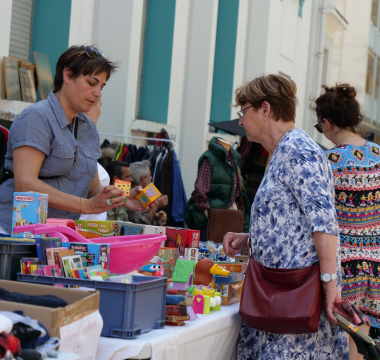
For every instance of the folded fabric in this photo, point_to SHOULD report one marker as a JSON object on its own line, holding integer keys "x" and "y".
{"x": 5, "y": 324}
{"x": 41, "y": 300}
{"x": 24, "y": 332}
{"x": 48, "y": 348}
{"x": 16, "y": 318}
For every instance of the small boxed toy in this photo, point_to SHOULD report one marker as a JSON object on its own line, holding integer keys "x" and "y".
{"x": 229, "y": 279}
{"x": 125, "y": 186}
{"x": 149, "y": 194}
{"x": 125, "y": 228}
{"x": 193, "y": 237}
{"x": 90, "y": 229}
{"x": 191, "y": 254}
{"x": 29, "y": 208}
{"x": 231, "y": 293}
{"x": 97, "y": 254}
{"x": 168, "y": 255}
{"x": 233, "y": 267}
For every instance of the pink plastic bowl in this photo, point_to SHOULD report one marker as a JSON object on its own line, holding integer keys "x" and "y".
{"x": 128, "y": 253}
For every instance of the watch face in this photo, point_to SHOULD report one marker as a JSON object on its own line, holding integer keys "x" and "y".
{"x": 326, "y": 277}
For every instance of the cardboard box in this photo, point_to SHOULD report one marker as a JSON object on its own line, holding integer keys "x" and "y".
{"x": 232, "y": 278}
{"x": 29, "y": 208}
{"x": 91, "y": 229}
{"x": 191, "y": 254}
{"x": 81, "y": 303}
{"x": 149, "y": 194}
{"x": 193, "y": 237}
{"x": 182, "y": 238}
{"x": 126, "y": 228}
{"x": 97, "y": 254}
{"x": 168, "y": 255}
{"x": 230, "y": 293}
{"x": 241, "y": 258}
{"x": 233, "y": 267}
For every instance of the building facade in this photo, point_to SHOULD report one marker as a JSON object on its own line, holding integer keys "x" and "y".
{"x": 180, "y": 60}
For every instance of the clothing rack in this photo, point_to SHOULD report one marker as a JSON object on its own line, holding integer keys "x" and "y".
{"x": 141, "y": 138}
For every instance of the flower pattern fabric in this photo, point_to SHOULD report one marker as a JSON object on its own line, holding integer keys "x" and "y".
{"x": 295, "y": 198}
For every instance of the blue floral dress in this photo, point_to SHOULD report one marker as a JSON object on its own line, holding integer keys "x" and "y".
{"x": 295, "y": 198}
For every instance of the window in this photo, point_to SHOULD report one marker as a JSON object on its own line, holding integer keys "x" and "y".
{"x": 377, "y": 79}
{"x": 369, "y": 81}
{"x": 21, "y": 28}
{"x": 374, "y": 12}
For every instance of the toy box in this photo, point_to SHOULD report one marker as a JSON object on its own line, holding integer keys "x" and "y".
{"x": 233, "y": 267}
{"x": 191, "y": 254}
{"x": 149, "y": 194}
{"x": 193, "y": 237}
{"x": 125, "y": 186}
{"x": 232, "y": 278}
{"x": 97, "y": 254}
{"x": 168, "y": 255}
{"x": 182, "y": 238}
{"x": 29, "y": 208}
{"x": 90, "y": 229}
{"x": 125, "y": 228}
{"x": 230, "y": 293}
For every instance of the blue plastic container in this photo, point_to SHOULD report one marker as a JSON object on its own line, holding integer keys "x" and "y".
{"x": 127, "y": 309}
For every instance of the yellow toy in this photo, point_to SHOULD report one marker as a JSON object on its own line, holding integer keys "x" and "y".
{"x": 125, "y": 186}
{"x": 148, "y": 195}
{"x": 218, "y": 270}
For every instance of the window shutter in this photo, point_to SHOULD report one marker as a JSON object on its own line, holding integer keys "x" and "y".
{"x": 21, "y": 28}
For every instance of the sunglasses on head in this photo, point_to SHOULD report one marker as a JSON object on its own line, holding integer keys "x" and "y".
{"x": 319, "y": 127}
{"x": 90, "y": 52}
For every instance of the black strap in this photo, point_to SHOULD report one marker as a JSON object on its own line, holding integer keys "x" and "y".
{"x": 76, "y": 128}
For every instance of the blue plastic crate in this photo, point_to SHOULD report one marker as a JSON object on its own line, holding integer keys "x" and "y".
{"x": 127, "y": 309}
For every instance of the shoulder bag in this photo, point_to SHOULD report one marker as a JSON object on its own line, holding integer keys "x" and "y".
{"x": 281, "y": 301}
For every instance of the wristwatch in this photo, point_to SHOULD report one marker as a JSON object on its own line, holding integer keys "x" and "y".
{"x": 328, "y": 277}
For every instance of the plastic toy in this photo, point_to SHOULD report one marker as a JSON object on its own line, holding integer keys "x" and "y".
{"x": 218, "y": 299}
{"x": 148, "y": 195}
{"x": 128, "y": 252}
{"x": 125, "y": 186}
{"x": 183, "y": 274}
{"x": 217, "y": 270}
{"x": 152, "y": 270}
{"x": 203, "y": 304}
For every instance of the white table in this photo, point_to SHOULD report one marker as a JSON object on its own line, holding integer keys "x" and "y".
{"x": 210, "y": 337}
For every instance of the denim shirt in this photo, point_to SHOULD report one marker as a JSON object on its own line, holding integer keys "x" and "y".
{"x": 69, "y": 166}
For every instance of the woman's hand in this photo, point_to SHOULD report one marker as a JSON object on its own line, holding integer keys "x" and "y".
{"x": 233, "y": 242}
{"x": 99, "y": 203}
{"x": 331, "y": 296}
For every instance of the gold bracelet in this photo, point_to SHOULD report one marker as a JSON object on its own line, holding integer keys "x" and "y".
{"x": 80, "y": 205}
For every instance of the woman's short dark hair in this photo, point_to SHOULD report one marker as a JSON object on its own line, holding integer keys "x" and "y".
{"x": 339, "y": 106}
{"x": 278, "y": 90}
{"x": 115, "y": 168}
{"x": 81, "y": 64}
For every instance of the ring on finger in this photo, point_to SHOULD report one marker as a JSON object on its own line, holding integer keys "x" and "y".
{"x": 108, "y": 202}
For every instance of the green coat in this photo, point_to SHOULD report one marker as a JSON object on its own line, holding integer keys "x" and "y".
{"x": 222, "y": 181}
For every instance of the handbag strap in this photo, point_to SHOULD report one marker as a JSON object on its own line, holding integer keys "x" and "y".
{"x": 241, "y": 200}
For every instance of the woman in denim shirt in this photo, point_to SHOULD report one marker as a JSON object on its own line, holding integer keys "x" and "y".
{"x": 53, "y": 146}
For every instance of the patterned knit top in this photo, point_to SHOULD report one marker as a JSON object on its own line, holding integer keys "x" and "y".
{"x": 356, "y": 172}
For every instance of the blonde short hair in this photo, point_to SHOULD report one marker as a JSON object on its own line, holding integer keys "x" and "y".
{"x": 278, "y": 90}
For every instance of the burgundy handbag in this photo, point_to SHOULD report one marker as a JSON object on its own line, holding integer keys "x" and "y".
{"x": 282, "y": 301}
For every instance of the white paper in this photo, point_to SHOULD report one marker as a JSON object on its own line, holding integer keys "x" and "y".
{"x": 81, "y": 337}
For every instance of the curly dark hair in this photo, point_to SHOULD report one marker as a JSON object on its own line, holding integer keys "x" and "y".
{"x": 339, "y": 105}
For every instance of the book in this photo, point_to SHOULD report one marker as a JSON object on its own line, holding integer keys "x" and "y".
{"x": 62, "y": 254}
{"x": 52, "y": 270}
{"x": 69, "y": 263}
{"x": 177, "y": 310}
{"x": 50, "y": 254}
{"x": 44, "y": 243}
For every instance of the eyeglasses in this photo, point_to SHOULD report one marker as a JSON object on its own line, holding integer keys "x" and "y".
{"x": 90, "y": 52}
{"x": 319, "y": 127}
{"x": 241, "y": 112}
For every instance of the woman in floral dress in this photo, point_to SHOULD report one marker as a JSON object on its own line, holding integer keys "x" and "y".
{"x": 293, "y": 220}
{"x": 356, "y": 167}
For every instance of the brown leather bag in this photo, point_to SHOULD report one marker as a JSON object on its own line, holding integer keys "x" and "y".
{"x": 222, "y": 221}
{"x": 281, "y": 301}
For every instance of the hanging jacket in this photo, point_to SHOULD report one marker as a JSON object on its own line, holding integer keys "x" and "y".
{"x": 222, "y": 181}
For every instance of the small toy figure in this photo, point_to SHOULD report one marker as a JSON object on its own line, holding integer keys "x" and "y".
{"x": 148, "y": 195}
{"x": 222, "y": 255}
{"x": 152, "y": 270}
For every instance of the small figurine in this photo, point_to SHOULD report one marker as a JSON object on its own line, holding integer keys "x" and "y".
{"x": 222, "y": 255}
{"x": 152, "y": 270}
{"x": 148, "y": 195}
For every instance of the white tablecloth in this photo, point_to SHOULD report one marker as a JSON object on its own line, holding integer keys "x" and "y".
{"x": 210, "y": 337}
